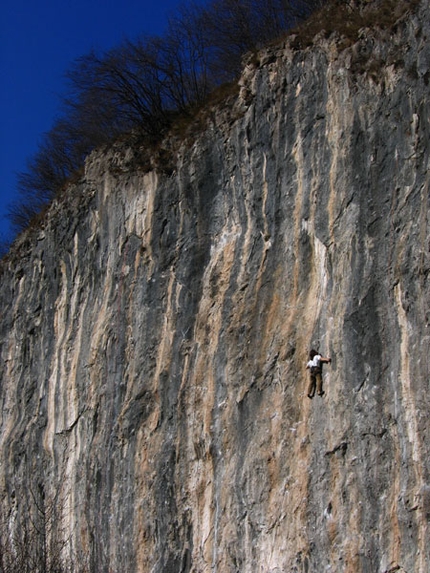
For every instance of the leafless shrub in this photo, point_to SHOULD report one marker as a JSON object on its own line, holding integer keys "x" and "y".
{"x": 142, "y": 86}
{"x": 32, "y": 538}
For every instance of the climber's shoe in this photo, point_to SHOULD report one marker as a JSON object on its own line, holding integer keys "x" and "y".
{"x": 321, "y": 393}
{"x": 309, "y": 396}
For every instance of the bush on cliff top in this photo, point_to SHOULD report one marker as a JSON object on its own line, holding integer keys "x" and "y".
{"x": 144, "y": 87}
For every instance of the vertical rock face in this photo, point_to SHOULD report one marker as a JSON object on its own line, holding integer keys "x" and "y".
{"x": 154, "y": 334}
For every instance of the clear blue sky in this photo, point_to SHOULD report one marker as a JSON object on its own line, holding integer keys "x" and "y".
{"x": 39, "y": 39}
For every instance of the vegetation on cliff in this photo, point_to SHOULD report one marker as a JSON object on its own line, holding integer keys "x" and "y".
{"x": 142, "y": 86}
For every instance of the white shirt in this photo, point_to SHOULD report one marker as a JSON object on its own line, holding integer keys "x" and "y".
{"x": 316, "y": 362}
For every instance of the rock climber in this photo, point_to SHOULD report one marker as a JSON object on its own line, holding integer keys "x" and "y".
{"x": 315, "y": 366}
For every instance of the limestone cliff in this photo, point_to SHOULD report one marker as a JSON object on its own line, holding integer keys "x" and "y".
{"x": 155, "y": 333}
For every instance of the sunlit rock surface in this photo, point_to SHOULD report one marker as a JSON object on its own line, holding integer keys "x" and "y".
{"x": 154, "y": 333}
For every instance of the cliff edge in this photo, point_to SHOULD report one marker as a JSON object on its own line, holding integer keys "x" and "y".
{"x": 154, "y": 333}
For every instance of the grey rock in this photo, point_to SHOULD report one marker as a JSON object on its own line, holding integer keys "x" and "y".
{"x": 155, "y": 333}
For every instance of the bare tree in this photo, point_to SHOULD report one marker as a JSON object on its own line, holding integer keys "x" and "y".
{"x": 46, "y": 174}
{"x": 142, "y": 86}
{"x": 123, "y": 87}
{"x": 32, "y": 540}
{"x": 234, "y": 27}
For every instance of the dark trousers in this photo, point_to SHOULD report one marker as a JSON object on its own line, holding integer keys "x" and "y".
{"x": 315, "y": 381}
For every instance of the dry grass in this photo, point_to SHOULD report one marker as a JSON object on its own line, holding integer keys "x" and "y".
{"x": 347, "y": 19}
